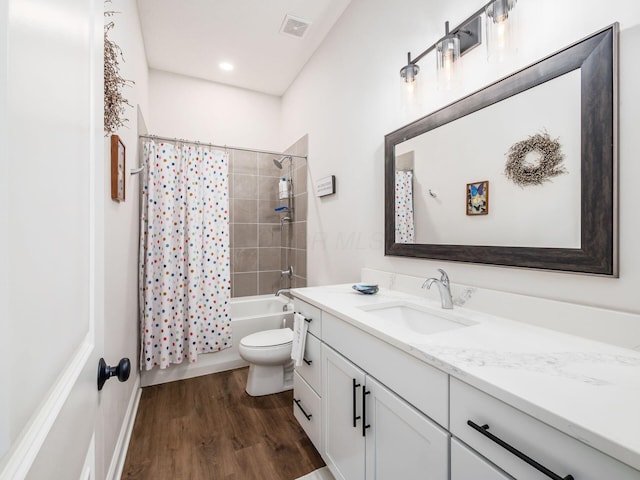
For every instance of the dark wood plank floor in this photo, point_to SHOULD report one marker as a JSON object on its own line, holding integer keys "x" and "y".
{"x": 209, "y": 428}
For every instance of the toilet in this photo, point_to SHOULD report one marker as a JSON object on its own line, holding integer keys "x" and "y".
{"x": 270, "y": 365}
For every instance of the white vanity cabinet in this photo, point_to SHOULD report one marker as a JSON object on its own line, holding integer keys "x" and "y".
{"x": 466, "y": 465}
{"x": 307, "y": 385}
{"x": 491, "y": 427}
{"x": 371, "y": 433}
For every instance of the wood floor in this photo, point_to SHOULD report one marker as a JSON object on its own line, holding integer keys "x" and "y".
{"x": 209, "y": 428}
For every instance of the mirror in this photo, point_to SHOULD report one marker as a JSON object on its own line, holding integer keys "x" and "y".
{"x": 458, "y": 182}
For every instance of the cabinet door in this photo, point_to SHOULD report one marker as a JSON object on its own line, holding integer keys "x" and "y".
{"x": 401, "y": 442}
{"x": 466, "y": 464}
{"x": 344, "y": 444}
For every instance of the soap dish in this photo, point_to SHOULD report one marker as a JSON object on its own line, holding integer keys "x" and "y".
{"x": 365, "y": 288}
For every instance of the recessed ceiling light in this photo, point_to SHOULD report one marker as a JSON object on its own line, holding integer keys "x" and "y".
{"x": 226, "y": 66}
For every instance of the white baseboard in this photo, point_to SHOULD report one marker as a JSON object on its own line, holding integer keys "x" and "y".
{"x": 122, "y": 445}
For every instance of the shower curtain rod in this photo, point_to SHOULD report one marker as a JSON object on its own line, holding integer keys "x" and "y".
{"x": 193, "y": 142}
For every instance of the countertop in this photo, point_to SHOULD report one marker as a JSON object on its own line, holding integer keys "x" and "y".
{"x": 586, "y": 389}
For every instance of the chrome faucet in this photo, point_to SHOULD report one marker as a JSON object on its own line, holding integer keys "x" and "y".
{"x": 288, "y": 272}
{"x": 443, "y": 287}
{"x": 282, "y": 290}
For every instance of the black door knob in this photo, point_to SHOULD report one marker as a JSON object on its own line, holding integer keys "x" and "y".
{"x": 105, "y": 372}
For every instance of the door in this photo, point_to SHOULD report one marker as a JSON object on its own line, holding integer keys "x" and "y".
{"x": 51, "y": 236}
{"x": 344, "y": 443}
{"x": 402, "y": 442}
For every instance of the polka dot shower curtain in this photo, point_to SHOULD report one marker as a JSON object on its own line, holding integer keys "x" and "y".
{"x": 185, "y": 285}
{"x": 404, "y": 207}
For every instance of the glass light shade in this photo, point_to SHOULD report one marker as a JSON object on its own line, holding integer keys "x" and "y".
{"x": 409, "y": 73}
{"x": 501, "y": 28}
{"x": 447, "y": 56}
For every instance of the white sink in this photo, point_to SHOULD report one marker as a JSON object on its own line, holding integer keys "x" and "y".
{"x": 417, "y": 318}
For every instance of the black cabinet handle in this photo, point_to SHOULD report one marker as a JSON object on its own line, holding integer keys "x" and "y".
{"x": 355, "y": 385}
{"x": 307, "y": 415}
{"x": 484, "y": 430}
{"x": 364, "y": 411}
{"x": 308, "y": 362}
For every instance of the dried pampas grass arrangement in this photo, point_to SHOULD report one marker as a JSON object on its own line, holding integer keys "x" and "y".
{"x": 114, "y": 102}
{"x": 523, "y": 173}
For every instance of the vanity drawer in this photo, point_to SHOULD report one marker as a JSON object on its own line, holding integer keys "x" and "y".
{"x": 311, "y": 367}
{"x": 312, "y": 313}
{"x": 307, "y": 409}
{"x": 466, "y": 465}
{"x": 423, "y": 386}
{"x": 551, "y": 448}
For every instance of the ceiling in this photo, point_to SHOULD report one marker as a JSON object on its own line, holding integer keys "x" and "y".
{"x": 192, "y": 37}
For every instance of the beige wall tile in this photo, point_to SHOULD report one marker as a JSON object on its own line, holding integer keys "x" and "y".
{"x": 245, "y": 235}
{"x": 270, "y": 282}
{"x": 245, "y": 260}
{"x": 244, "y": 211}
{"x": 269, "y": 259}
{"x": 244, "y": 284}
{"x": 245, "y": 186}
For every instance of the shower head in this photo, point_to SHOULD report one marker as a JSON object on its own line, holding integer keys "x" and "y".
{"x": 278, "y": 163}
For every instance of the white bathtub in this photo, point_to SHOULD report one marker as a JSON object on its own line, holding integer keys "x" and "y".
{"x": 248, "y": 315}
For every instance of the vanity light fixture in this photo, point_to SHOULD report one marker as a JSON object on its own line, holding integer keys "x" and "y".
{"x": 409, "y": 72}
{"x": 447, "y": 54}
{"x": 459, "y": 40}
{"x": 500, "y": 26}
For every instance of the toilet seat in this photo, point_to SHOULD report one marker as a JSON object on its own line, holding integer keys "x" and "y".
{"x": 268, "y": 338}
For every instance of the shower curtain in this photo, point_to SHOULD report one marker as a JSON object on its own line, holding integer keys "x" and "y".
{"x": 404, "y": 207}
{"x": 185, "y": 285}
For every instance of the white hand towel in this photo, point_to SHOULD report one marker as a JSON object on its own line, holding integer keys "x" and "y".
{"x": 299, "y": 338}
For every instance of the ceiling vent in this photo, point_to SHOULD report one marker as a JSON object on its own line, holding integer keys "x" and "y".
{"x": 294, "y": 26}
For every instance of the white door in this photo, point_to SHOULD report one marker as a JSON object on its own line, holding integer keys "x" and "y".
{"x": 344, "y": 443}
{"x": 51, "y": 237}
{"x": 402, "y": 442}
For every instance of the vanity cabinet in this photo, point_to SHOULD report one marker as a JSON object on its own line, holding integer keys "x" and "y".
{"x": 371, "y": 433}
{"x": 307, "y": 385}
{"x": 479, "y": 419}
{"x": 466, "y": 465}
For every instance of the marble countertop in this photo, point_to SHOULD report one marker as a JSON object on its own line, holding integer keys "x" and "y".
{"x": 586, "y": 389}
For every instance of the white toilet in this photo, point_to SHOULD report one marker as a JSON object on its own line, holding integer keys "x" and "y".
{"x": 270, "y": 364}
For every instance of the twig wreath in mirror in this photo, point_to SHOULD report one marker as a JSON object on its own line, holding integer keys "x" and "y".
{"x": 114, "y": 102}
{"x": 522, "y": 172}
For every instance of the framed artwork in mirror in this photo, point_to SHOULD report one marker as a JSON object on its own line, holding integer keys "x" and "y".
{"x": 478, "y": 198}
{"x": 118, "y": 164}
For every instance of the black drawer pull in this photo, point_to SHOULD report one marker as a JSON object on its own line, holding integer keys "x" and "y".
{"x": 484, "y": 431}
{"x": 307, "y": 415}
{"x": 364, "y": 411}
{"x": 355, "y": 385}
{"x": 308, "y": 362}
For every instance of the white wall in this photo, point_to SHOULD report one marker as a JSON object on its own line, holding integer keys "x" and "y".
{"x": 121, "y": 235}
{"x": 194, "y": 109}
{"x": 348, "y": 97}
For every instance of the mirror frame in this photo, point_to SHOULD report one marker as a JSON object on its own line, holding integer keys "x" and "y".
{"x": 596, "y": 57}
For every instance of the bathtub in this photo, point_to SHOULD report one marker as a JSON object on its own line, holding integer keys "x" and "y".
{"x": 248, "y": 315}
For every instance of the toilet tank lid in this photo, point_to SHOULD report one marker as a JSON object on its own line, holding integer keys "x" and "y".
{"x": 268, "y": 338}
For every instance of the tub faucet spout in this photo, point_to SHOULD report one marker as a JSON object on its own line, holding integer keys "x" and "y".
{"x": 444, "y": 288}
{"x": 282, "y": 290}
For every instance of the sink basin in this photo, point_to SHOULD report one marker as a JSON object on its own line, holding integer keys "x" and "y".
{"x": 416, "y": 318}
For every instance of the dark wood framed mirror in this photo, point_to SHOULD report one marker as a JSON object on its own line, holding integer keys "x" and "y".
{"x": 586, "y": 195}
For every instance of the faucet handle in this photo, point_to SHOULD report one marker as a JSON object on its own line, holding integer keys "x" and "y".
{"x": 444, "y": 278}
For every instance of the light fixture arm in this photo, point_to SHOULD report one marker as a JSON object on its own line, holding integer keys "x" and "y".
{"x": 457, "y": 30}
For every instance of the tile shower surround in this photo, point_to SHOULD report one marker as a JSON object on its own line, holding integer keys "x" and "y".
{"x": 260, "y": 251}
